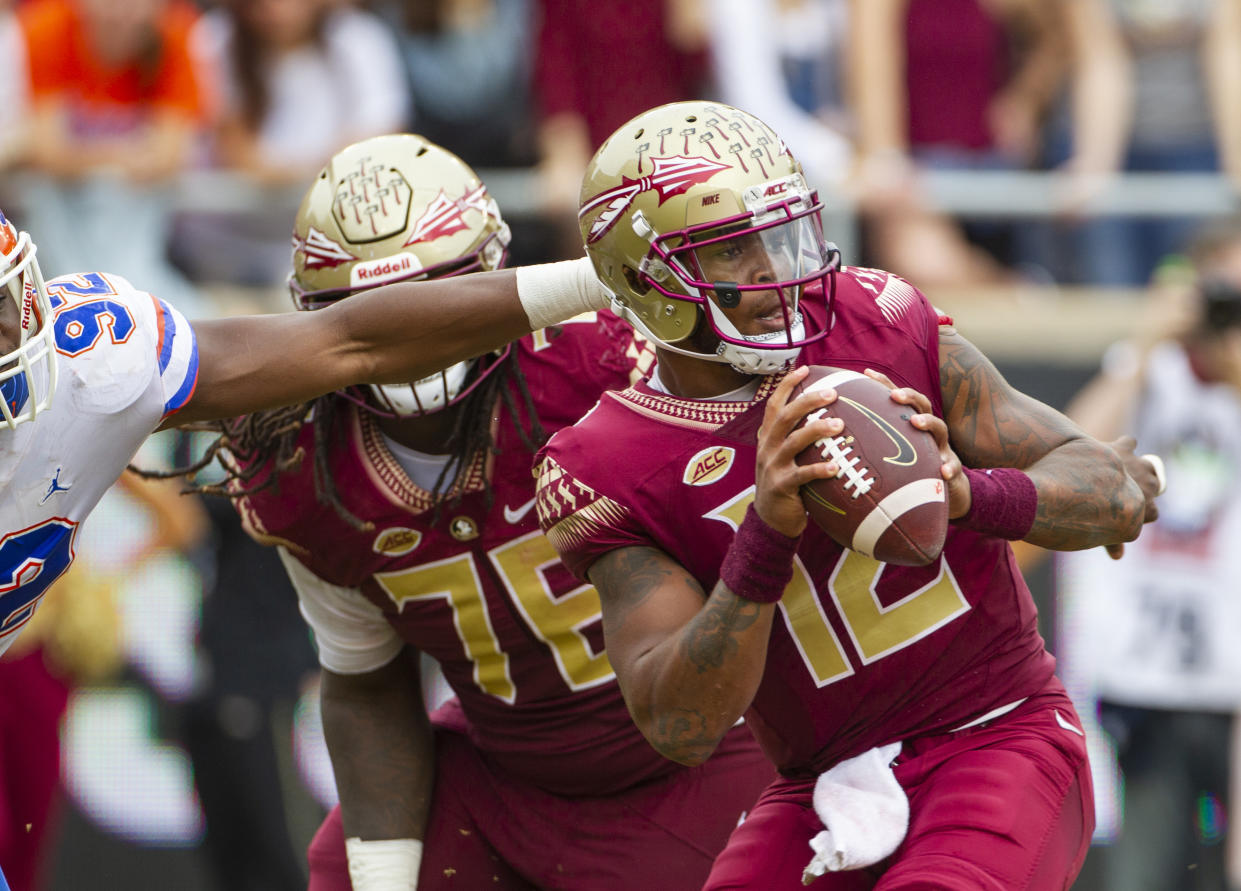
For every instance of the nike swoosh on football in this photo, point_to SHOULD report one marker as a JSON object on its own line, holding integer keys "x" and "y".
{"x": 514, "y": 516}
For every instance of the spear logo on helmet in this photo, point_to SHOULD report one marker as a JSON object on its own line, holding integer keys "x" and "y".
{"x": 446, "y": 216}
{"x": 320, "y": 251}
{"x": 671, "y": 176}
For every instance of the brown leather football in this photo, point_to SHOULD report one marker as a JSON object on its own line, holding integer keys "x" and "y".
{"x": 889, "y": 501}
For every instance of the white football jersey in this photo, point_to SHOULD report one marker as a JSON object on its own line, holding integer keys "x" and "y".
{"x": 126, "y": 361}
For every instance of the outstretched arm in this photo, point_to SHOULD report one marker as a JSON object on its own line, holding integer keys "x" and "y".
{"x": 690, "y": 663}
{"x": 395, "y": 333}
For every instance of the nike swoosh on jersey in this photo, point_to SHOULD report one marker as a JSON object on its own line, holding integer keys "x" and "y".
{"x": 515, "y": 516}
{"x": 1066, "y": 725}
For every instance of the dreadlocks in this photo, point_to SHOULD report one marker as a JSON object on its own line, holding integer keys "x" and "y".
{"x": 251, "y": 444}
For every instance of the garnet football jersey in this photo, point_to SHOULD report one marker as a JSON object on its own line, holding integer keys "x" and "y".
{"x": 482, "y": 591}
{"x": 126, "y": 361}
{"x": 863, "y": 653}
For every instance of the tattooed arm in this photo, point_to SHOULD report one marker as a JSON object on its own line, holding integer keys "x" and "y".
{"x": 688, "y": 669}
{"x": 1085, "y": 496}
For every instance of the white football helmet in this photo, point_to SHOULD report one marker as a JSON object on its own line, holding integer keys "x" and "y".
{"x": 689, "y": 206}
{"x": 396, "y": 208}
{"x": 28, "y": 369}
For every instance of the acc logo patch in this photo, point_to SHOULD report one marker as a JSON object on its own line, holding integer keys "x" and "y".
{"x": 396, "y": 541}
{"x": 708, "y": 466}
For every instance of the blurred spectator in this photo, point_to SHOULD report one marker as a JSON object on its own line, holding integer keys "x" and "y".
{"x": 1181, "y": 61}
{"x": 793, "y": 76}
{"x": 1155, "y": 633}
{"x": 14, "y": 86}
{"x": 945, "y": 84}
{"x": 597, "y": 64}
{"x": 469, "y": 71}
{"x": 74, "y": 638}
{"x": 291, "y": 82}
{"x": 295, "y": 80}
{"x": 114, "y": 110}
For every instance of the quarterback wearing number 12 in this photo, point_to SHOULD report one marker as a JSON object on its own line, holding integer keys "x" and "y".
{"x": 921, "y": 735}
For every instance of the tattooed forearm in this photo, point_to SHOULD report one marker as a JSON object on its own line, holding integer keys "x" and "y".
{"x": 712, "y": 637}
{"x": 1085, "y": 499}
{"x": 683, "y": 735}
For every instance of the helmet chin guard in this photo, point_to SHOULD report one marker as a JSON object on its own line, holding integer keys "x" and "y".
{"x": 695, "y": 214}
{"x": 28, "y": 370}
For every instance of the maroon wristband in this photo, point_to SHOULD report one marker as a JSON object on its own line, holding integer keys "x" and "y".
{"x": 1003, "y": 503}
{"x": 759, "y": 563}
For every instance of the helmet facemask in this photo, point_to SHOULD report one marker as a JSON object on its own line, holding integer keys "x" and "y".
{"x": 28, "y": 370}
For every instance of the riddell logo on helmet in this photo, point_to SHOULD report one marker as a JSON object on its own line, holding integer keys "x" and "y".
{"x": 387, "y": 269}
{"x": 708, "y": 466}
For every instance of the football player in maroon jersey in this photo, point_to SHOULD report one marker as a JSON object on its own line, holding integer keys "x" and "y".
{"x": 921, "y": 735}
{"x": 405, "y": 517}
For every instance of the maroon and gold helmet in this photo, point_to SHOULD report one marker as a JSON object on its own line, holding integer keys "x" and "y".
{"x": 395, "y": 208}
{"x": 673, "y": 202}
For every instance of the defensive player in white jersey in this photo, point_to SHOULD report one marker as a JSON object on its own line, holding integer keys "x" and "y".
{"x": 90, "y": 366}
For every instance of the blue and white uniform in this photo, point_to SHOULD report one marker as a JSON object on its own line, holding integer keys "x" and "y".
{"x": 126, "y": 361}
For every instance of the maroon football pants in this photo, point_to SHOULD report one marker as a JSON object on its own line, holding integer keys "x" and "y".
{"x": 490, "y": 831}
{"x": 1004, "y": 806}
{"x": 32, "y": 702}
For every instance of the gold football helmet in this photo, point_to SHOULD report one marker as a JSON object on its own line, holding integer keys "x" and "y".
{"x": 28, "y": 368}
{"x": 395, "y": 208}
{"x": 690, "y": 206}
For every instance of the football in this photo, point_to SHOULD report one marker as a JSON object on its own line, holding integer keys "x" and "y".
{"x": 888, "y": 501}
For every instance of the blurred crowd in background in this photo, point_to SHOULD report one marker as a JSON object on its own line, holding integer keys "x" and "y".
{"x": 172, "y": 676}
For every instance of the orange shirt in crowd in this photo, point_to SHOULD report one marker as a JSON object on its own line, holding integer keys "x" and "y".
{"x": 103, "y": 95}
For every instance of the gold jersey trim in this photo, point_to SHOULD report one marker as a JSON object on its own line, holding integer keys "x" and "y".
{"x": 567, "y": 524}
{"x": 696, "y": 414}
{"x": 388, "y": 473}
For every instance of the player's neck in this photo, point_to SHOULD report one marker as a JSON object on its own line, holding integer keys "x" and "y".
{"x": 692, "y": 378}
{"x": 428, "y": 434}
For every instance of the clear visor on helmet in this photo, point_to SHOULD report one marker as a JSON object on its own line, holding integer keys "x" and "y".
{"x": 768, "y": 254}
